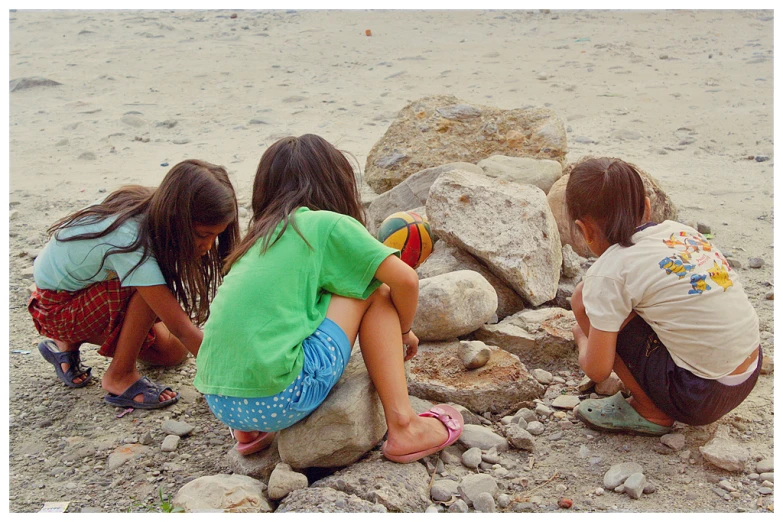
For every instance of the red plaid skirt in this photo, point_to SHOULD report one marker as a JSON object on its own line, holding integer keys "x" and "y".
{"x": 94, "y": 312}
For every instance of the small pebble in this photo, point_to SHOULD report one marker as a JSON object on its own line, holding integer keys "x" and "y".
{"x": 761, "y": 158}
{"x": 458, "y": 507}
{"x": 767, "y": 484}
{"x": 755, "y": 262}
{"x": 565, "y": 503}
{"x": 765, "y": 491}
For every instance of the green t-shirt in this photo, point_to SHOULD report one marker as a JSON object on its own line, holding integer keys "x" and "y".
{"x": 268, "y": 304}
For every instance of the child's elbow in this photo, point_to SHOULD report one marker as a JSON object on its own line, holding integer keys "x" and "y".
{"x": 596, "y": 372}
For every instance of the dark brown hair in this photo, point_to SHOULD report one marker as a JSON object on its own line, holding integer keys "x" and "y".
{"x": 192, "y": 193}
{"x": 306, "y": 171}
{"x": 611, "y": 193}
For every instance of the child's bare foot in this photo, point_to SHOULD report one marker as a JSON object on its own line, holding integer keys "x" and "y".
{"x": 420, "y": 434}
{"x": 653, "y": 415}
{"x": 417, "y": 436}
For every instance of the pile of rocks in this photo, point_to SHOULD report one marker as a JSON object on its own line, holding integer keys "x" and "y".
{"x": 493, "y": 300}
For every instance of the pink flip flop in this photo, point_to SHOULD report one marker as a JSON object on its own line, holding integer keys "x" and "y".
{"x": 262, "y": 441}
{"x": 450, "y": 418}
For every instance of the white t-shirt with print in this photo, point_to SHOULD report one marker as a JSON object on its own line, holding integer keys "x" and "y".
{"x": 684, "y": 288}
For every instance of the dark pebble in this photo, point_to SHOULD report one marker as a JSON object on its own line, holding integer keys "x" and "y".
{"x": 164, "y": 164}
{"x": 761, "y": 158}
{"x": 734, "y": 263}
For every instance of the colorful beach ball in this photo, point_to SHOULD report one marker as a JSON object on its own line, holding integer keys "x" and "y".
{"x": 409, "y": 233}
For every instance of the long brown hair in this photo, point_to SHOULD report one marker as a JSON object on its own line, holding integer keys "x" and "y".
{"x": 193, "y": 192}
{"x": 611, "y": 193}
{"x": 306, "y": 171}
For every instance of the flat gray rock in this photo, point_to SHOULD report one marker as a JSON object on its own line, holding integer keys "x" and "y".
{"x": 403, "y": 487}
{"x": 326, "y": 500}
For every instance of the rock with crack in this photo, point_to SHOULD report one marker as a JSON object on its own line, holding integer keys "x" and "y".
{"x": 507, "y": 226}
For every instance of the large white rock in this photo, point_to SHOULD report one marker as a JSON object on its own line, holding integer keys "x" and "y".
{"x": 453, "y": 304}
{"x": 540, "y": 338}
{"x": 530, "y": 171}
{"x": 347, "y": 425}
{"x": 724, "y": 452}
{"x": 228, "y": 493}
{"x": 412, "y": 192}
{"x": 449, "y": 258}
{"x": 437, "y": 374}
{"x": 508, "y": 226}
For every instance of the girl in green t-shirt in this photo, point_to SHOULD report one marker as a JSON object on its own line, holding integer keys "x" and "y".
{"x": 306, "y": 280}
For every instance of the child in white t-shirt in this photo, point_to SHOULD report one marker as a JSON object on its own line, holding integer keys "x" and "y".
{"x": 661, "y": 307}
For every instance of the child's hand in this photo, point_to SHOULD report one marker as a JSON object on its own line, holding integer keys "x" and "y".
{"x": 411, "y": 344}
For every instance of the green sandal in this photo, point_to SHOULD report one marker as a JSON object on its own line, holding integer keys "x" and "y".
{"x": 615, "y": 414}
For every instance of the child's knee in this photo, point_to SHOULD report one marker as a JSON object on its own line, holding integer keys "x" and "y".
{"x": 577, "y": 305}
{"x": 383, "y": 292}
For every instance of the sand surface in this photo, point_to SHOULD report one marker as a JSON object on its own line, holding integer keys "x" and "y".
{"x": 686, "y": 95}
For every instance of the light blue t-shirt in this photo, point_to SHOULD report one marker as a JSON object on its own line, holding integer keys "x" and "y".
{"x": 74, "y": 265}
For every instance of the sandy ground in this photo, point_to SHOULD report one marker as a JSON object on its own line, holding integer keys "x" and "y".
{"x": 686, "y": 95}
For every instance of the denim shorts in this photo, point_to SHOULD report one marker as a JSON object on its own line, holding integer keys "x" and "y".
{"x": 680, "y": 394}
{"x": 326, "y": 354}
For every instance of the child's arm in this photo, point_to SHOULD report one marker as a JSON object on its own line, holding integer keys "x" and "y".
{"x": 163, "y": 303}
{"x": 404, "y": 285}
{"x": 596, "y": 352}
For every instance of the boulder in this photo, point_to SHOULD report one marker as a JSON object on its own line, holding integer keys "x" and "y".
{"x": 453, "y": 304}
{"x": 529, "y": 171}
{"x": 540, "y": 338}
{"x": 412, "y": 192}
{"x": 398, "y": 487}
{"x": 662, "y": 209}
{"x": 440, "y": 129}
{"x": 326, "y": 500}
{"x": 348, "y": 424}
{"x": 437, "y": 374}
{"x": 227, "y": 493}
{"x": 507, "y": 226}
{"x": 449, "y": 258}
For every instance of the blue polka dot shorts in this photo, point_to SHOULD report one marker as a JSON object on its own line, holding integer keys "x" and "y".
{"x": 326, "y": 354}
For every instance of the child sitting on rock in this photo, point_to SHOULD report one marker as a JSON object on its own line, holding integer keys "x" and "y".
{"x": 661, "y": 307}
{"x": 302, "y": 284}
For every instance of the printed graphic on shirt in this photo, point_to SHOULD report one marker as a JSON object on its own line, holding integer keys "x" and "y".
{"x": 692, "y": 253}
{"x": 699, "y": 284}
{"x": 720, "y": 275}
